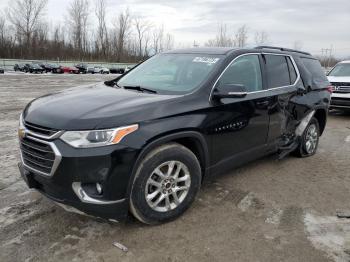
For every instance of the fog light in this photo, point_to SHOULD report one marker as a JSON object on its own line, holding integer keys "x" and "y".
{"x": 99, "y": 188}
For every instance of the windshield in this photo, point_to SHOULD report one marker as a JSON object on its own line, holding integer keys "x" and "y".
{"x": 340, "y": 70}
{"x": 172, "y": 73}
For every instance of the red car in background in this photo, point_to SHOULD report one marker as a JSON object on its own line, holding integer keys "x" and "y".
{"x": 69, "y": 69}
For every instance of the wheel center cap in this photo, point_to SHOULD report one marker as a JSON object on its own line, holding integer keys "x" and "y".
{"x": 167, "y": 185}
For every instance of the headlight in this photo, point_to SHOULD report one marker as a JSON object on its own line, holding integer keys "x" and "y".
{"x": 95, "y": 138}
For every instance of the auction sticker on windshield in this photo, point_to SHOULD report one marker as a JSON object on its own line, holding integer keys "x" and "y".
{"x": 207, "y": 60}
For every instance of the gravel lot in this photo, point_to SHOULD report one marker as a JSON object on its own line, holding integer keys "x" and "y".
{"x": 265, "y": 211}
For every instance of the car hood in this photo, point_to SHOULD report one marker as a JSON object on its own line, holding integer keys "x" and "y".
{"x": 339, "y": 79}
{"x": 94, "y": 106}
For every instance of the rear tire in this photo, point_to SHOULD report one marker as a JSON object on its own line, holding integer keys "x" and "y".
{"x": 165, "y": 185}
{"x": 309, "y": 140}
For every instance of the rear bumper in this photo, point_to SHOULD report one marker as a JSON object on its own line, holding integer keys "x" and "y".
{"x": 116, "y": 210}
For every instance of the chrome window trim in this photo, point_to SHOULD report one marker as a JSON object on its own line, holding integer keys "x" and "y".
{"x": 264, "y": 90}
{"x": 58, "y": 157}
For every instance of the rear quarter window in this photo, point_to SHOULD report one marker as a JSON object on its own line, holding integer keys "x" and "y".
{"x": 319, "y": 79}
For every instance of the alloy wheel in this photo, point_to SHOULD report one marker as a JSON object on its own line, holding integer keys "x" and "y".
{"x": 311, "y": 139}
{"x": 167, "y": 186}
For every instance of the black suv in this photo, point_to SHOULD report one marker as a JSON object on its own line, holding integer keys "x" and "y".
{"x": 145, "y": 141}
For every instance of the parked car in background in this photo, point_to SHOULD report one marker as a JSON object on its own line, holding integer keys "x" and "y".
{"x": 56, "y": 69}
{"x": 144, "y": 141}
{"x": 102, "y": 70}
{"x": 2, "y": 71}
{"x": 117, "y": 70}
{"x": 90, "y": 70}
{"x": 339, "y": 77}
{"x": 18, "y": 67}
{"x": 49, "y": 67}
{"x": 34, "y": 68}
{"x": 128, "y": 68}
{"x": 82, "y": 68}
{"x": 97, "y": 70}
{"x": 26, "y": 67}
{"x": 69, "y": 69}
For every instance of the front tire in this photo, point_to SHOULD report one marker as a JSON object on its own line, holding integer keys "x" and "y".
{"x": 166, "y": 183}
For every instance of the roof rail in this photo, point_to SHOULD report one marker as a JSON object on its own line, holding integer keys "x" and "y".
{"x": 281, "y": 49}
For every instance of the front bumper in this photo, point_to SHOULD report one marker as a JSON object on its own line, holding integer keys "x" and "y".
{"x": 117, "y": 210}
{"x": 79, "y": 169}
{"x": 339, "y": 100}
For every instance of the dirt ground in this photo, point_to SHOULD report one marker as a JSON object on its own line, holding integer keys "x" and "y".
{"x": 267, "y": 210}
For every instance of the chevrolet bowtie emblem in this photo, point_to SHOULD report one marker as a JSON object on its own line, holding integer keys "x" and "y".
{"x": 21, "y": 133}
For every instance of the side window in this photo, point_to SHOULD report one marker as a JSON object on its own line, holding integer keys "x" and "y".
{"x": 292, "y": 73}
{"x": 244, "y": 71}
{"x": 277, "y": 71}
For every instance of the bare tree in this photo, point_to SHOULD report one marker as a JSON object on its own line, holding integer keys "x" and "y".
{"x": 102, "y": 34}
{"x": 25, "y": 15}
{"x": 241, "y": 36}
{"x": 261, "y": 38}
{"x": 142, "y": 28}
{"x": 125, "y": 41}
{"x": 78, "y": 13}
{"x": 169, "y": 42}
{"x": 221, "y": 39}
{"x": 122, "y": 28}
{"x": 2, "y": 31}
{"x": 157, "y": 39}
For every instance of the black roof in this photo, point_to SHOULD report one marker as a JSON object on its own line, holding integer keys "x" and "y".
{"x": 227, "y": 50}
{"x": 204, "y": 50}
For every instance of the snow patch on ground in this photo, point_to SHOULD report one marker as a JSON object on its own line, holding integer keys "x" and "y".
{"x": 246, "y": 202}
{"x": 329, "y": 234}
{"x": 274, "y": 216}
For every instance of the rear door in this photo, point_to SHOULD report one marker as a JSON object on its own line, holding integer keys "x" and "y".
{"x": 282, "y": 78}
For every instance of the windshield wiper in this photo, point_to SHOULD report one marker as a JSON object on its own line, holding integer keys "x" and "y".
{"x": 141, "y": 89}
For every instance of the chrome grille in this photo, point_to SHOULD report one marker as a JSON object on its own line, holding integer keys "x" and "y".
{"x": 41, "y": 132}
{"x": 39, "y": 156}
{"x": 341, "y": 87}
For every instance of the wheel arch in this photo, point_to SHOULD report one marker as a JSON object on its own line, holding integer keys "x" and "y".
{"x": 192, "y": 140}
{"x": 321, "y": 116}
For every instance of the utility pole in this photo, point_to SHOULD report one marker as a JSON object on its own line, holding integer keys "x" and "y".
{"x": 330, "y": 56}
{"x": 325, "y": 57}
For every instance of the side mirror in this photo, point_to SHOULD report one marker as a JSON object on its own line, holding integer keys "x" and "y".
{"x": 230, "y": 91}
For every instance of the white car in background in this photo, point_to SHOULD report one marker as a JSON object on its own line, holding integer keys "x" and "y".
{"x": 97, "y": 70}
{"x": 339, "y": 77}
{"x": 102, "y": 70}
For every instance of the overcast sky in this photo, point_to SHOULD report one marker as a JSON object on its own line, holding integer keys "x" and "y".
{"x": 315, "y": 24}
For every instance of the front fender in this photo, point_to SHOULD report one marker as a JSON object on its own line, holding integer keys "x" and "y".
{"x": 166, "y": 138}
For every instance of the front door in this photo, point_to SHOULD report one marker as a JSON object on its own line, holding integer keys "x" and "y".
{"x": 240, "y": 125}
